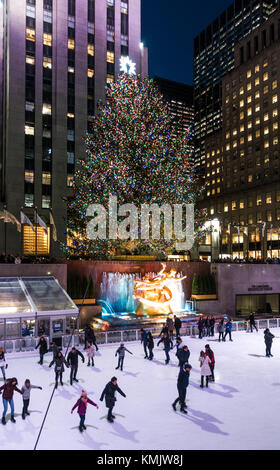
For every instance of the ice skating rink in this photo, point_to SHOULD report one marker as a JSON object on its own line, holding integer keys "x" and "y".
{"x": 241, "y": 410}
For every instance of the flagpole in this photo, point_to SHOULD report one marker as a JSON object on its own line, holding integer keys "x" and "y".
{"x": 36, "y": 233}
{"x": 5, "y": 232}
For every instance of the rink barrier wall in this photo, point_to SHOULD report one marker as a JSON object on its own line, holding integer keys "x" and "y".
{"x": 118, "y": 336}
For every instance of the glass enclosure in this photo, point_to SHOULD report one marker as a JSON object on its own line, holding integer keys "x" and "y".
{"x": 47, "y": 294}
{"x": 12, "y": 297}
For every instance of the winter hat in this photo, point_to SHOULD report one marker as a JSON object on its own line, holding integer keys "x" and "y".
{"x": 187, "y": 366}
{"x": 84, "y": 393}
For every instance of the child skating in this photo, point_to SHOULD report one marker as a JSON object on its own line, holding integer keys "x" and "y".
{"x": 26, "y": 389}
{"x": 82, "y": 409}
{"x": 90, "y": 353}
{"x": 121, "y": 352}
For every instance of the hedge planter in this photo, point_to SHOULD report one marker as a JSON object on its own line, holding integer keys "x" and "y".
{"x": 204, "y": 297}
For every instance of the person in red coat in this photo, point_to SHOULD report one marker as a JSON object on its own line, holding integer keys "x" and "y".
{"x": 210, "y": 354}
{"x": 8, "y": 388}
{"x": 82, "y": 408}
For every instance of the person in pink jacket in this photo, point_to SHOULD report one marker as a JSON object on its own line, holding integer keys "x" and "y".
{"x": 82, "y": 408}
{"x": 90, "y": 354}
{"x": 204, "y": 368}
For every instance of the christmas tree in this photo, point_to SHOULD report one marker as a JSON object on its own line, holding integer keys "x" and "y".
{"x": 137, "y": 152}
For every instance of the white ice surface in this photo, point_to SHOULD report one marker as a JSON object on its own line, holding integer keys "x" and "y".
{"x": 241, "y": 410}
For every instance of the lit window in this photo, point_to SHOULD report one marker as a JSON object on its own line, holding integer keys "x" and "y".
{"x": 233, "y": 205}
{"x": 30, "y": 106}
{"x": 257, "y": 95}
{"x": 249, "y": 73}
{"x": 268, "y": 198}
{"x": 250, "y": 178}
{"x": 47, "y": 39}
{"x": 249, "y": 137}
{"x": 234, "y": 144}
{"x": 71, "y": 115}
{"x": 242, "y": 128}
{"x": 90, "y": 73}
{"x": 228, "y": 135}
{"x": 30, "y": 60}
{"x": 110, "y": 57}
{"x": 274, "y": 84}
{"x": 265, "y": 117}
{"x": 47, "y": 16}
{"x": 46, "y": 203}
{"x": 91, "y": 49}
{"x": 265, "y": 90}
{"x": 257, "y": 121}
{"x": 249, "y": 125}
{"x": 257, "y": 68}
{"x": 29, "y": 177}
{"x": 227, "y": 98}
{"x": 47, "y": 109}
{"x": 274, "y": 99}
{"x": 241, "y": 204}
{"x": 249, "y": 99}
{"x": 265, "y": 76}
{"x": 275, "y": 126}
{"x": 29, "y": 200}
{"x": 30, "y": 34}
{"x": 110, "y": 78}
{"x": 257, "y": 81}
{"x": 249, "y": 86}
{"x": 71, "y": 70}
{"x": 71, "y": 44}
{"x": 241, "y": 91}
{"x": 266, "y": 131}
{"x": 29, "y": 130}
{"x": 275, "y": 141}
{"x": 241, "y": 104}
{"x": 42, "y": 245}
{"x": 266, "y": 144}
{"x": 257, "y": 108}
{"x": 225, "y": 207}
{"x": 70, "y": 181}
{"x": 259, "y": 200}
{"x": 258, "y": 133}
{"x": 242, "y": 141}
{"x": 265, "y": 64}
{"x": 47, "y": 62}
{"x": 228, "y": 147}
{"x": 241, "y": 116}
{"x": 275, "y": 113}
{"x": 249, "y": 112}
{"x": 46, "y": 178}
{"x": 234, "y": 132}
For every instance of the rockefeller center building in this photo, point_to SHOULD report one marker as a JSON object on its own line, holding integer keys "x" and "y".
{"x": 243, "y": 158}
{"x": 56, "y": 57}
{"x": 214, "y": 58}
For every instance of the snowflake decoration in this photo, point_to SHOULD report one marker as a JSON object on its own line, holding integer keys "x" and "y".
{"x": 127, "y": 66}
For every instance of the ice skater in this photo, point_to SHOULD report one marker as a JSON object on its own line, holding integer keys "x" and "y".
{"x": 43, "y": 349}
{"x": 252, "y": 322}
{"x": 150, "y": 345}
{"x": 221, "y": 330}
{"x": 168, "y": 344}
{"x": 200, "y": 326}
{"x": 73, "y": 362}
{"x": 8, "y": 388}
{"x": 82, "y": 409}
{"x": 3, "y": 364}
{"x": 26, "y": 389}
{"x": 182, "y": 384}
{"x": 121, "y": 352}
{"x": 144, "y": 337}
{"x": 212, "y": 325}
{"x": 90, "y": 354}
{"x": 228, "y": 327}
{"x": 205, "y": 370}
{"x": 59, "y": 362}
{"x": 110, "y": 399}
{"x": 268, "y": 338}
{"x": 177, "y": 325}
{"x": 210, "y": 354}
{"x": 170, "y": 326}
{"x": 54, "y": 349}
{"x": 183, "y": 355}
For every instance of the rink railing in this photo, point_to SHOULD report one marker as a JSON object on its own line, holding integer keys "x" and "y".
{"x": 119, "y": 336}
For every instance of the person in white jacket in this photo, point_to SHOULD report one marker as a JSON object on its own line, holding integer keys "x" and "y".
{"x": 204, "y": 368}
{"x": 90, "y": 354}
{"x": 3, "y": 364}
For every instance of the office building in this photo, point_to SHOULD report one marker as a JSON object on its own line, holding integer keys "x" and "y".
{"x": 56, "y": 57}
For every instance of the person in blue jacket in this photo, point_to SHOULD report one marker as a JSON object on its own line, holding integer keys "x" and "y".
{"x": 228, "y": 329}
{"x": 182, "y": 384}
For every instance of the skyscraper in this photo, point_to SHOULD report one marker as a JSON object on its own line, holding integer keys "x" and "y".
{"x": 214, "y": 58}
{"x": 56, "y": 57}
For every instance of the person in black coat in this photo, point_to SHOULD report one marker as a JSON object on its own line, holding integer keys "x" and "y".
{"x": 182, "y": 384}
{"x": 110, "y": 399}
{"x": 212, "y": 326}
{"x": 252, "y": 322}
{"x": 59, "y": 362}
{"x": 73, "y": 362}
{"x": 43, "y": 348}
{"x": 268, "y": 337}
{"x": 164, "y": 330}
{"x": 168, "y": 344}
{"x": 177, "y": 325}
{"x": 144, "y": 337}
{"x": 90, "y": 337}
{"x": 183, "y": 355}
{"x": 150, "y": 345}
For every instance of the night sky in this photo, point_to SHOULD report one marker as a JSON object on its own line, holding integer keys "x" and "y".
{"x": 168, "y": 30}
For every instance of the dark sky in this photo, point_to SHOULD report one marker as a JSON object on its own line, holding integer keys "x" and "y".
{"x": 168, "y": 30}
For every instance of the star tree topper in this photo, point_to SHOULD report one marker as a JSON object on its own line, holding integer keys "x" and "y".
{"x": 127, "y": 66}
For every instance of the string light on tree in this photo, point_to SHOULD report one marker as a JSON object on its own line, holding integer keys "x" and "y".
{"x": 137, "y": 152}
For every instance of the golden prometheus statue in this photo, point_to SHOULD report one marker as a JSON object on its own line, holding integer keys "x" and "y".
{"x": 155, "y": 294}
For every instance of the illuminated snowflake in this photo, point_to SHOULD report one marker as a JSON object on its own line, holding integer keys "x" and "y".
{"x": 127, "y": 66}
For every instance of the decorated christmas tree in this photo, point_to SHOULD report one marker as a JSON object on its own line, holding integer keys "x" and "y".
{"x": 136, "y": 151}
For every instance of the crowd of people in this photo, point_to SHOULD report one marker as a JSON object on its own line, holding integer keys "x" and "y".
{"x": 247, "y": 260}
{"x": 206, "y": 359}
